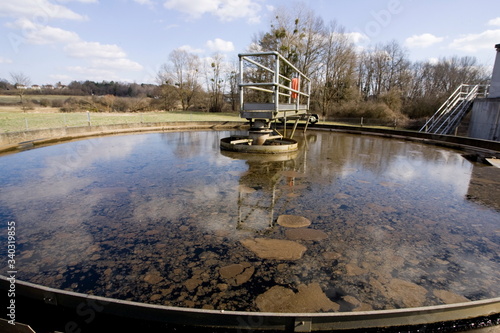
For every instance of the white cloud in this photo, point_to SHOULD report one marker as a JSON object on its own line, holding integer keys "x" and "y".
{"x": 433, "y": 61}
{"x": 5, "y": 60}
{"x": 82, "y": 1}
{"x": 475, "y": 42}
{"x": 41, "y": 9}
{"x": 38, "y": 34}
{"x": 494, "y": 22}
{"x": 30, "y": 22}
{"x": 172, "y": 26}
{"x": 95, "y": 74}
{"x": 121, "y": 63}
{"x": 423, "y": 41}
{"x": 61, "y": 77}
{"x": 148, "y": 3}
{"x": 190, "y": 49}
{"x": 225, "y": 10}
{"x": 219, "y": 45}
{"x": 356, "y": 37}
{"x": 103, "y": 58}
{"x": 84, "y": 49}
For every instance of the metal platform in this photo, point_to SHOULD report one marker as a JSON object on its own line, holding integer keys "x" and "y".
{"x": 272, "y": 111}
{"x": 269, "y": 76}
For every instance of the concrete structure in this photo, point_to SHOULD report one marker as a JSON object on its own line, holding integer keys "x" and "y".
{"x": 495, "y": 77}
{"x": 485, "y": 118}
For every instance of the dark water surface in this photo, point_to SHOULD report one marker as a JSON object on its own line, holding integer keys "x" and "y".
{"x": 167, "y": 218}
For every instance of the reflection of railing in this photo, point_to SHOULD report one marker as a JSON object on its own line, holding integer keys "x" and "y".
{"x": 454, "y": 109}
{"x": 290, "y": 94}
{"x": 252, "y": 210}
{"x": 257, "y": 195}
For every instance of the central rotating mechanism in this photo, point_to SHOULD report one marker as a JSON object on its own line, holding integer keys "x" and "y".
{"x": 272, "y": 91}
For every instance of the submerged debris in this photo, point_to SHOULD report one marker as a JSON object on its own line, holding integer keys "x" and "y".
{"x": 308, "y": 298}
{"x": 293, "y": 221}
{"x": 305, "y": 234}
{"x": 275, "y": 248}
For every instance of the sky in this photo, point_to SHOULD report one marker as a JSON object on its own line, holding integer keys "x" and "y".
{"x": 53, "y": 41}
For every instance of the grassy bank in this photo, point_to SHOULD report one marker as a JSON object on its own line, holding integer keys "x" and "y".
{"x": 13, "y": 119}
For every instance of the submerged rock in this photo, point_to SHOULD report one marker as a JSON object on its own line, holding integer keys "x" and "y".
{"x": 448, "y": 297}
{"x": 192, "y": 283}
{"x": 305, "y": 234}
{"x": 274, "y": 248}
{"x": 237, "y": 274}
{"x": 352, "y": 270}
{"x": 153, "y": 277}
{"x": 293, "y": 221}
{"x": 406, "y": 293}
{"x": 331, "y": 255}
{"x": 309, "y": 298}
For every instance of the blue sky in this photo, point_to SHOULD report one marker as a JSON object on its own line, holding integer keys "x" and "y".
{"x": 128, "y": 40}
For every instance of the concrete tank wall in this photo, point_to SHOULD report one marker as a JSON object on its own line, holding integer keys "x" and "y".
{"x": 13, "y": 140}
{"x": 485, "y": 119}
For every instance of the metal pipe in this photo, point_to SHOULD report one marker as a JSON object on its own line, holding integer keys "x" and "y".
{"x": 240, "y": 87}
{"x": 277, "y": 83}
{"x": 257, "y": 64}
{"x": 260, "y": 89}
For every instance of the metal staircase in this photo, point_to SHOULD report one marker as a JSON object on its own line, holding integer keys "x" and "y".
{"x": 450, "y": 114}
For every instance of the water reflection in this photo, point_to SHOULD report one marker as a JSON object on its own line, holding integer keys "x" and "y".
{"x": 258, "y": 186}
{"x": 168, "y": 218}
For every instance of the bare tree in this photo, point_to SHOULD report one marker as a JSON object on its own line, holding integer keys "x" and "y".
{"x": 183, "y": 73}
{"x": 21, "y": 83}
{"x": 232, "y": 79}
{"x": 432, "y": 83}
{"x": 298, "y": 34}
{"x": 384, "y": 68}
{"x": 216, "y": 82}
{"x": 335, "y": 83}
{"x": 166, "y": 96}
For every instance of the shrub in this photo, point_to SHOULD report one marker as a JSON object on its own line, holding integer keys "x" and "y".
{"x": 57, "y": 103}
{"x": 367, "y": 109}
{"x": 45, "y": 102}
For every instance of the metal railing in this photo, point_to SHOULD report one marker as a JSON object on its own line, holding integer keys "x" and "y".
{"x": 453, "y": 110}
{"x": 288, "y": 93}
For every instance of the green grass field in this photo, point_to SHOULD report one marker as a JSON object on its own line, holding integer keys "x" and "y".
{"x": 13, "y": 119}
{"x": 15, "y": 99}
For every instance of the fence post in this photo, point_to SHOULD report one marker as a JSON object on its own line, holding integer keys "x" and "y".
{"x": 361, "y": 121}
{"x": 88, "y": 118}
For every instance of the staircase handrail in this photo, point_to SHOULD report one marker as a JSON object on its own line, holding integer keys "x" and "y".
{"x": 454, "y": 103}
{"x": 457, "y": 113}
{"x": 442, "y": 109}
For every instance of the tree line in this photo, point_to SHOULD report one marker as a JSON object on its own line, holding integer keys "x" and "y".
{"x": 379, "y": 81}
{"x": 376, "y": 82}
